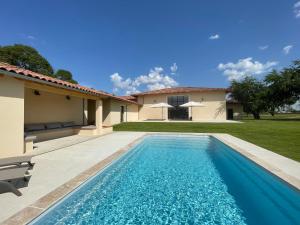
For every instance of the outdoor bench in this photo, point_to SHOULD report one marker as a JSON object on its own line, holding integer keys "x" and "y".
{"x": 47, "y": 131}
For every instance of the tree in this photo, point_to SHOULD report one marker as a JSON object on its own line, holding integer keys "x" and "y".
{"x": 25, "y": 57}
{"x": 29, "y": 58}
{"x": 251, "y": 93}
{"x": 274, "y": 93}
{"x": 65, "y": 75}
{"x": 292, "y": 78}
{"x": 283, "y": 88}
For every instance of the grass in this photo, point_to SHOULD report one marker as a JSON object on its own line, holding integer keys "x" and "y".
{"x": 280, "y": 134}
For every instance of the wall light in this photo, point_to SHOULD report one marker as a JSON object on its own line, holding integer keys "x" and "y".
{"x": 36, "y": 92}
{"x": 68, "y": 97}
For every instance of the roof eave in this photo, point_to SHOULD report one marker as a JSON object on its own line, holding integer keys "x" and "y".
{"x": 175, "y": 92}
{"x": 36, "y": 80}
{"x": 28, "y": 78}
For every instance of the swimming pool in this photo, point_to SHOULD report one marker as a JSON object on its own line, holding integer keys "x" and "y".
{"x": 179, "y": 179}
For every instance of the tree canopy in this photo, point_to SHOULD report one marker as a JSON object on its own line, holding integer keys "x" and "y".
{"x": 29, "y": 58}
{"x": 65, "y": 75}
{"x": 251, "y": 94}
{"x": 25, "y": 57}
{"x": 278, "y": 89}
{"x": 283, "y": 87}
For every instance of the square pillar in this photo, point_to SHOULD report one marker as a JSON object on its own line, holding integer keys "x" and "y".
{"x": 12, "y": 117}
{"x": 85, "y": 112}
{"x": 99, "y": 110}
{"x": 28, "y": 144}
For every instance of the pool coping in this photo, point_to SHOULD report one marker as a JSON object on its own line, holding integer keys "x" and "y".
{"x": 34, "y": 210}
{"x": 278, "y": 171}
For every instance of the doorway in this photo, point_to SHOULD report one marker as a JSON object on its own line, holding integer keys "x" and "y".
{"x": 230, "y": 114}
{"x": 177, "y": 112}
{"x": 91, "y": 112}
{"x": 122, "y": 113}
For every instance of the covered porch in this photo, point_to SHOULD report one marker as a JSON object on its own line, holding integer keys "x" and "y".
{"x": 35, "y": 111}
{"x": 51, "y": 113}
{"x": 36, "y": 108}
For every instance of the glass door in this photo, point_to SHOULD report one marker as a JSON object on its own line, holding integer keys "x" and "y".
{"x": 177, "y": 112}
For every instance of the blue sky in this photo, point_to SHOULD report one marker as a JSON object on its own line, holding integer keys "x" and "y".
{"x": 129, "y": 46}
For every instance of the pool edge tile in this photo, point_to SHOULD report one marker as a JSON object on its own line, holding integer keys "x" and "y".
{"x": 291, "y": 180}
{"x": 23, "y": 216}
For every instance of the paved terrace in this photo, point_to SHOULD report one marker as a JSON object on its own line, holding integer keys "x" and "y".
{"x": 55, "y": 168}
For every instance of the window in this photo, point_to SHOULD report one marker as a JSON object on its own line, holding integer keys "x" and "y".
{"x": 176, "y": 101}
{"x": 177, "y": 112}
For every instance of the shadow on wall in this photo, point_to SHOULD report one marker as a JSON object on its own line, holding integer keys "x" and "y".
{"x": 220, "y": 110}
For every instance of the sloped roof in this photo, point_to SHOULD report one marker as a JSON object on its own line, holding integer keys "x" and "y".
{"x": 182, "y": 90}
{"x": 129, "y": 97}
{"x": 60, "y": 83}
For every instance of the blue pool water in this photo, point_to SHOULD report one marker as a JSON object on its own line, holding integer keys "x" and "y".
{"x": 179, "y": 180}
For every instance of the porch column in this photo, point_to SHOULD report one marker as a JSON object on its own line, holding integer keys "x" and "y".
{"x": 11, "y": 117}
{"x": 99, "y": 115}
{"x": 85, "y": 111}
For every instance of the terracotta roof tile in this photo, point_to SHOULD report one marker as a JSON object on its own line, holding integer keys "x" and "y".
{"x": 132, "y": 98}
{"x": 181, "y": 90}
{"x": 63, "y": 84}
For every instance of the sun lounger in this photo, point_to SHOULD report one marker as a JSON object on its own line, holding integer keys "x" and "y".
{"x": 12, "y": 169}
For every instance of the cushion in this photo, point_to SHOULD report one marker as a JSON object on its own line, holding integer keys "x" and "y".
{"x": 68, "y": 124}
{"x": 34, "y": 127}
{"x": 53, "y": 125}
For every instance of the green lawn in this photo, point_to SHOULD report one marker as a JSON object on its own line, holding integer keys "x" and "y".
{"x": 280, "y": 133}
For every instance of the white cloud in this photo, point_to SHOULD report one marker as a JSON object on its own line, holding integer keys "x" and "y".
{"x": 155, "y": 79}
{"x": 120, "y": 84}
{"x": 214, "y": 37}
{"x": 297, "y": 9}
{"x": 245, "y": 67}
{"x": 174, "y": 68}
{"x": 286, "y": 50}
{"x": 31, "y": 37}
{"x": 264, "y": 47}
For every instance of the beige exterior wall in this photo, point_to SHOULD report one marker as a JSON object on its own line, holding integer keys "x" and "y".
{"x": 237, "y": 108}
{"x": 132, "y": 112}
{"x": 147, "y": 113}
{"x": 50, "y": 107}
{"x": 112, "y": 112}
{"x": 11, "y": 116}
{"x": 215, "y": 106}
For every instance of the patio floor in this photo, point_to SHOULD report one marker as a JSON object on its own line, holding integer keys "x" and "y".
{"x": 55, "y": 168}
{"x": 59, "y": 143}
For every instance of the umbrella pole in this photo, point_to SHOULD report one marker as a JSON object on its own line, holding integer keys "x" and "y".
{"x": 162, "y": 113}
{"x": 192, "y": 113}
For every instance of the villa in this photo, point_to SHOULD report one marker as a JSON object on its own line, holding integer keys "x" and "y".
{"x": 35, "y": 105}
{"x": 150, "y": 112}
{"x": 132, "y": 177}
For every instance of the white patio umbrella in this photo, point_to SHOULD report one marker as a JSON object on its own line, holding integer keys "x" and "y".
{"x": 192, "y": 104}
{"x": 161, "y": 105}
